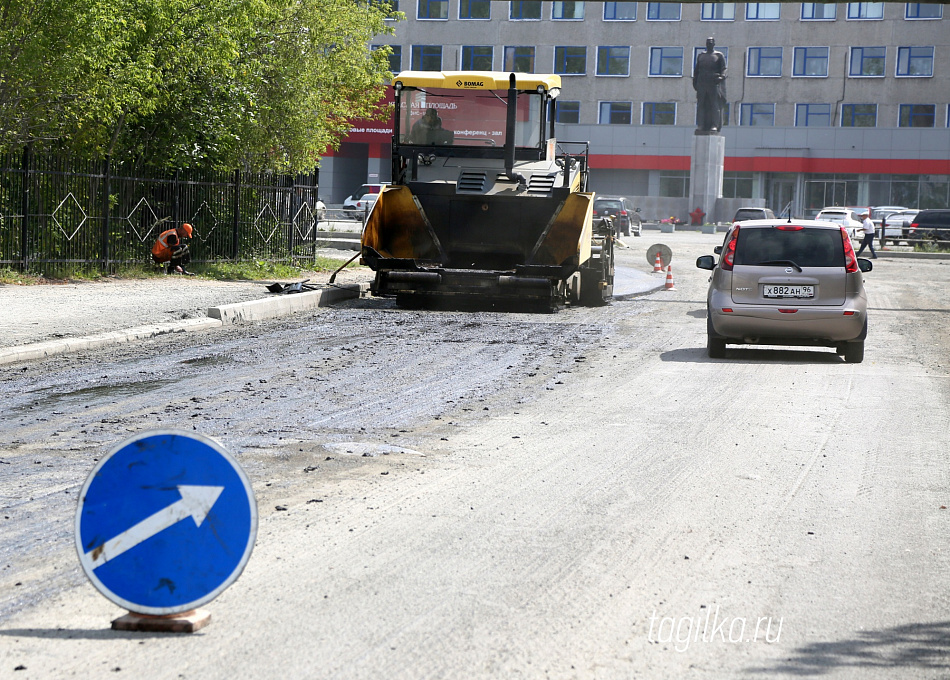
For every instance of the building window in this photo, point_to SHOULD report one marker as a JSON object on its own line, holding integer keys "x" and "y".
{"x": 525, "y": 10}
{"x": 395, "y": 56}
{"x": 867, "y": 62}
{"x": 810, "y": 62}
{"x": 666, "y": 61}
{"x": 917, "y": 115}
{"x": 570, "y": 61}
{"x": 813, "y": 115}
{"x": 764, "y": 62}
{"x": 474, "y": 9}
{"x": 763, "y": 11}
{"x": 736, "y": 185}
{"x": 519, "y": 59}
{"x": 663, "y": 11}
{"x": 757, "y": 115}
{"x": 389, "y": 6}
{"x": 674, "y": 183}
{"x": 718, "y": 11}
{"x": 613, "y": 61}
{"x": 620, "y": 11}
{"x": 567, "y": 10}
{"x": 615, "y": 113}
{"x": 659, "y": 113}
{"x": 865, "y": 10}
{"x": 568, "y": 112}
{"x": 819, "y": 11}
{"x": 477, "y": 58}
{"x": 432, "y": 9}
{"x": 859, "y": 115}
{"x": 923, "y": 10}
{"x": 915, "y": 62}
{"x": 426, "y": 58}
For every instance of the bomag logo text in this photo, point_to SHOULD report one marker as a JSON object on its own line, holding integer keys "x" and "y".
{"x": 474, "y": 83}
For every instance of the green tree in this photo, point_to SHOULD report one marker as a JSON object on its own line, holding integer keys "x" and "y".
{"x": 263, "y": 84}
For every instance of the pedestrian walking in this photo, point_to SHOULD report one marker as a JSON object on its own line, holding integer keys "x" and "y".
{"x": 868, "y": 227}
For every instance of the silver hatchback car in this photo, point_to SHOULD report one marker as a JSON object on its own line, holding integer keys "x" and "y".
{"x": 781, "y": 282}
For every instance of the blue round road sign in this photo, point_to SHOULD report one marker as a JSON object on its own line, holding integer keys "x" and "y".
{"x": 166, "y": 521}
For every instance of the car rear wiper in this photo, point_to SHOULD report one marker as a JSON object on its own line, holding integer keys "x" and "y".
{"x": 777, "y": 262}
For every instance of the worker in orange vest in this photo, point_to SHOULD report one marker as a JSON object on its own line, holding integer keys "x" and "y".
{"x": 169, "y": 247}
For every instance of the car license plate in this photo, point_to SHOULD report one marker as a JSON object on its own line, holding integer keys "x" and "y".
{"x": 770, "y": 291}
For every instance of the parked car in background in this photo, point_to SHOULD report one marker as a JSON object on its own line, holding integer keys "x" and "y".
{"x": 782, "y": 282}
{"x": 362, "y": 199}
{"x": 929, "y": 225}
{"x": 621, "y": 211}
{"x": 878, "y": 212}
{"x": 895, "y": 225}
{"x": 753, "y": 214}
{"x": 845, "y": 217}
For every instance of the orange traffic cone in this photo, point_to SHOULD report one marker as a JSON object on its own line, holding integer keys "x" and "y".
{"x": 658, "y": 264}
{"x": 669, "y": 278}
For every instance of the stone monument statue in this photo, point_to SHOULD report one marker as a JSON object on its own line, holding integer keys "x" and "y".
{"x": 709, "y": 81}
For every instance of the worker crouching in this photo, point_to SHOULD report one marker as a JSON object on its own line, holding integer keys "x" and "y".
{"x": 170, "y": 248}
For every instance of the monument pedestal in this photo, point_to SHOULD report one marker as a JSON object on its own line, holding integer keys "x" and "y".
{"x": 705, "y": 173}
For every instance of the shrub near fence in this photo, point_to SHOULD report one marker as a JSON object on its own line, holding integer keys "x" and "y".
{"x": 59, "y": 214}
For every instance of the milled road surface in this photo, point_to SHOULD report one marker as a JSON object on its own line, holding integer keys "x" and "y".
{"x": 478, "y": 495}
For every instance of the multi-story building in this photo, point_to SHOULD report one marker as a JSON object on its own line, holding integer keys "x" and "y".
{"x": 829, "y": 104}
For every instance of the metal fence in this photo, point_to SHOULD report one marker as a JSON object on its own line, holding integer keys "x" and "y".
{"x": 57, "y": 213}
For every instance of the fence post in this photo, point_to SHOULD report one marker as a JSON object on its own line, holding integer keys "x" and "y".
{"x": 176, "y": 200}
{"x": 291, "y": 201}
{"x": 106, "y": 209}
{"x": 25, "y": 205}
{"x": 235, "y": 243}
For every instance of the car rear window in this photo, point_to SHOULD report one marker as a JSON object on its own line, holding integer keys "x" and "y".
{"x": 749, "y": 215}
{"x": 805, "y": 246}
{"x": 934, "y": 218}
{"x": 837, "y": 217}
{"x": 607, "y": 205}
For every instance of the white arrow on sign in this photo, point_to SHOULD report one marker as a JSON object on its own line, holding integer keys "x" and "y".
{"x": 196, "y": 502}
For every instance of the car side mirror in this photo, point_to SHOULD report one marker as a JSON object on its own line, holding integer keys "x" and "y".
{"x": 709, "y": 262}
{"x": 718, "y": 250}
{"x": 865, "y": 265}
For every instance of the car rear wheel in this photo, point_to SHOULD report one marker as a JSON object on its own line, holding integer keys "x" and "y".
{"x": 854, "y": 352}
{"x": 715, "y": 346}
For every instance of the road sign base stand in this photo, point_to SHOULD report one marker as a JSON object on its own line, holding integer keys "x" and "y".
{"x": 186, "y": 622}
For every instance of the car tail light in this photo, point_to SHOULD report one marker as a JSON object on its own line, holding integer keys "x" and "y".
{"x": 914, "y": 225}
{"x": 623, "y": 212}
{"x": 728, "y": 260}
{"x": 727, "y": 310}
{"x": 850, "y": 259}
{"x": 788, "y": 311}
{"x": 789, "y": 227}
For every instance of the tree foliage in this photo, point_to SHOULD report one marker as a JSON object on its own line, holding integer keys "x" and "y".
{"x": 260, "y": 84}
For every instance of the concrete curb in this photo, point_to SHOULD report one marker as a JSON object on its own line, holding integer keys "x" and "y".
{"x": 255, "y": 310}
{"x": 40, "y": 350}
{"x": 284, "y": 304}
